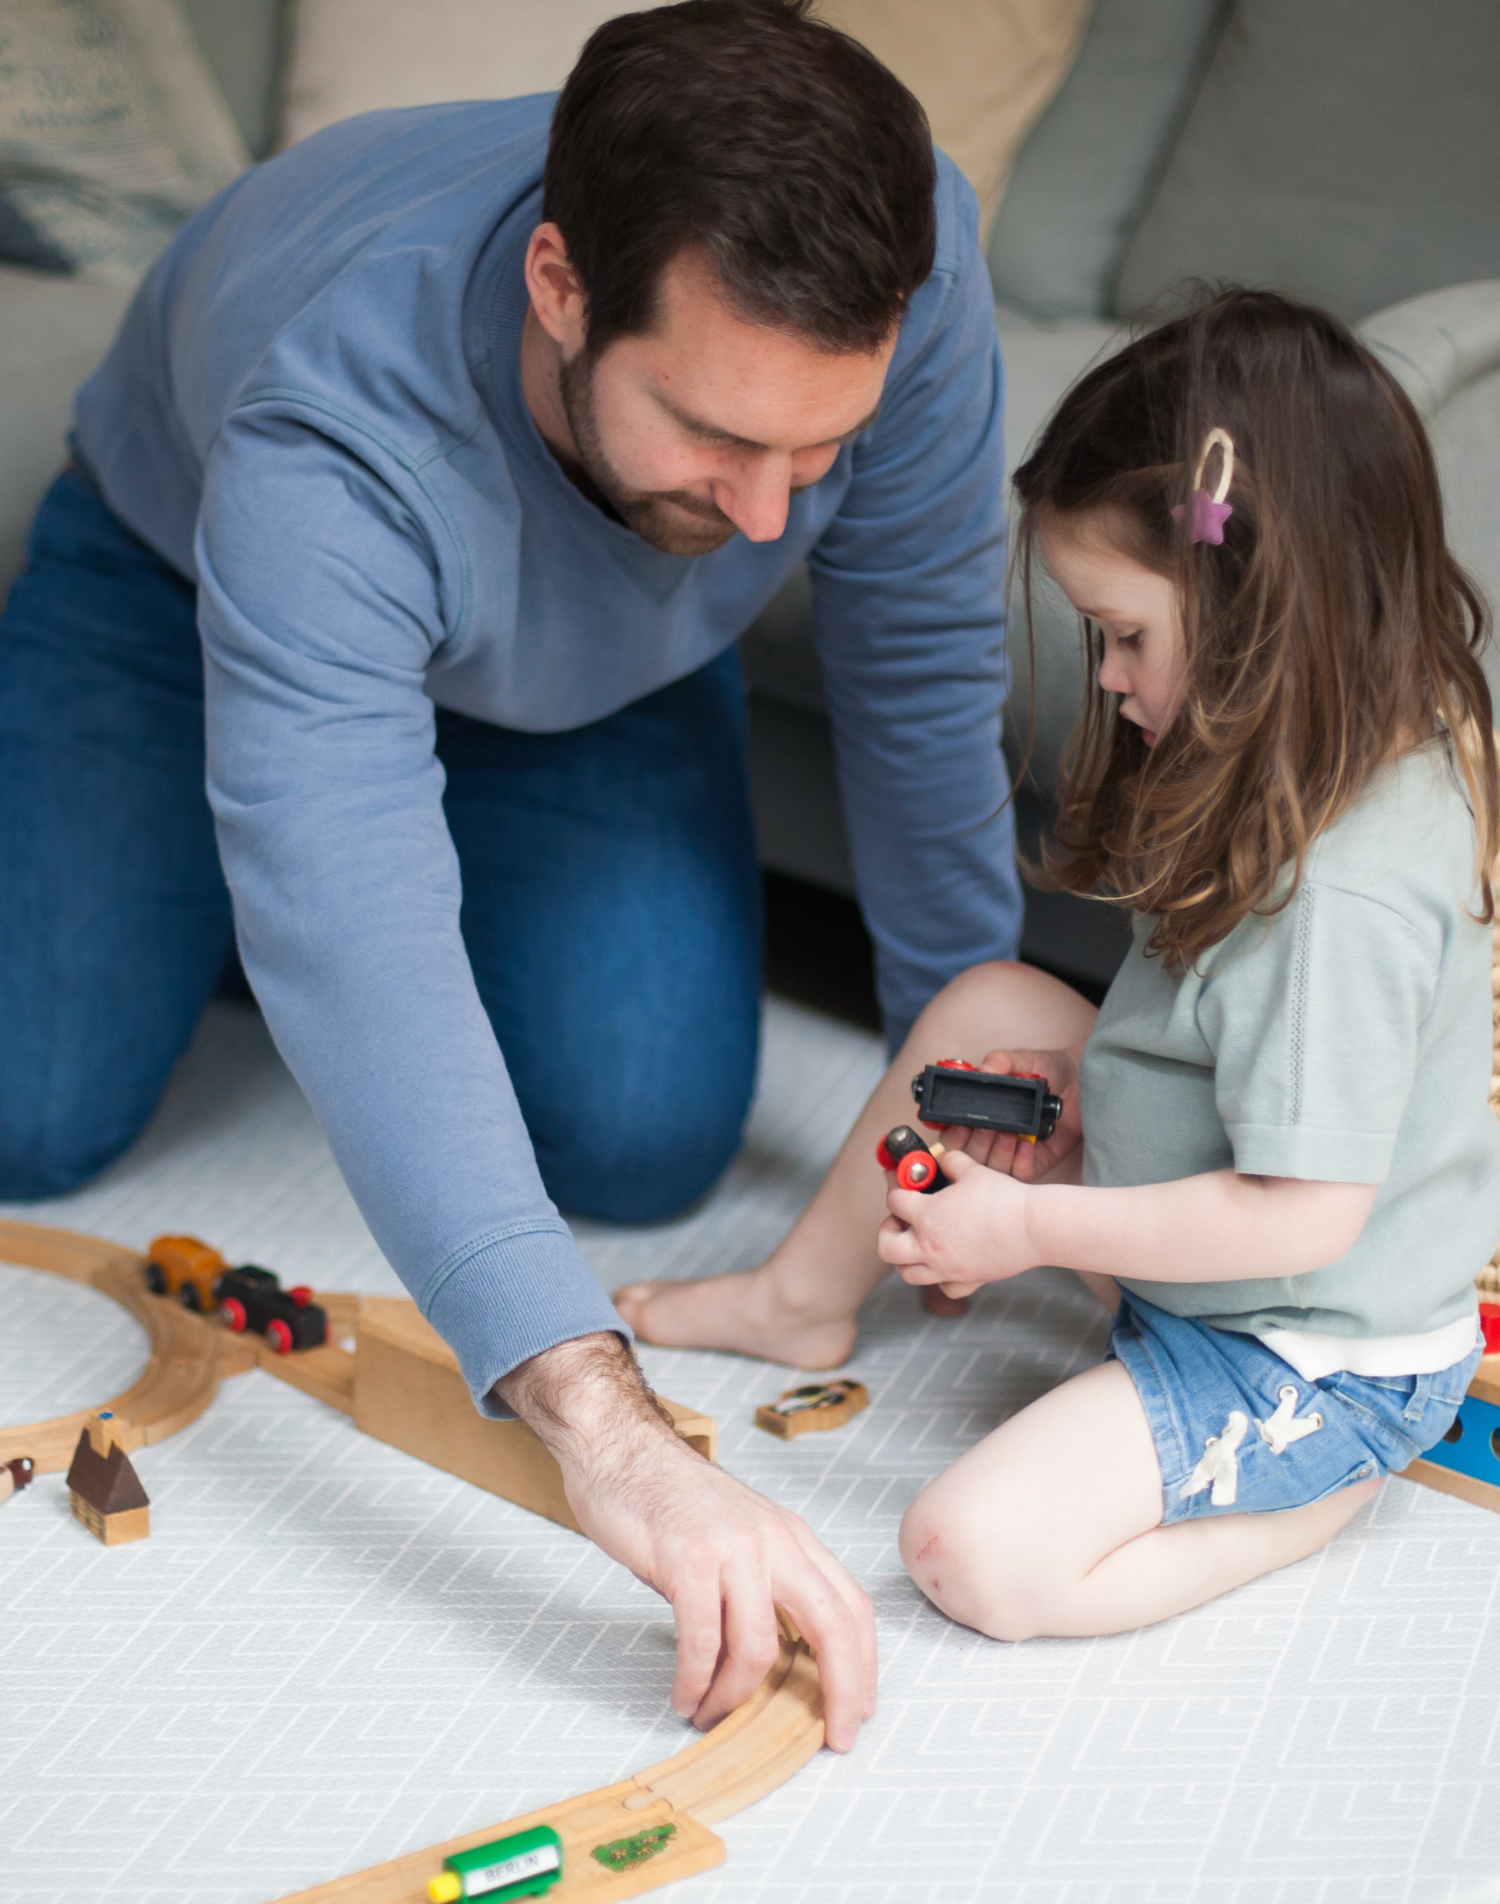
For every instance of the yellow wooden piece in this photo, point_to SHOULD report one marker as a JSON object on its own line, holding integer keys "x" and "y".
{"x": 181, "y": 1376}
{"x": 799, "y": 1421}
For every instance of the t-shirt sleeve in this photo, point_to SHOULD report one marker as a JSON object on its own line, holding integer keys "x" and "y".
{"x": 1313, "y": 1017}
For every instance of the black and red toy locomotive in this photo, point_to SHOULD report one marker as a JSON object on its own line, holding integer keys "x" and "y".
{"x": 953, "y": 1092}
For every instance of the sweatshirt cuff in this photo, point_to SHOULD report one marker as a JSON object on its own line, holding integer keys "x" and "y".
{"x": 510, "y": 1296}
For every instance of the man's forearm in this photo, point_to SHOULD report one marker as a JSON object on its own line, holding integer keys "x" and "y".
{"x": 1218, "y": 1227}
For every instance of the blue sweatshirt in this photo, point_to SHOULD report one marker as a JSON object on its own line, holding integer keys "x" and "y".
{"x": 313, "y": 409}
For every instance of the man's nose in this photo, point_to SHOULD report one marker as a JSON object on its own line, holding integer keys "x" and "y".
{"x": 757, "y": 498}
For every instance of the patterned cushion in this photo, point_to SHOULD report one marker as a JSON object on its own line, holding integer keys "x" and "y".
{"x": 112, "y": 131}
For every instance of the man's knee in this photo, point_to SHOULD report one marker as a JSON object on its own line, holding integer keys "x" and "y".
{"x": 629, "y": 1165}
{"x": 36, "y": 1162}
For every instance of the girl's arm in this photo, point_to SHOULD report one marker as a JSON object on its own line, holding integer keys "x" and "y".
{"x": 1220, "y": 1227}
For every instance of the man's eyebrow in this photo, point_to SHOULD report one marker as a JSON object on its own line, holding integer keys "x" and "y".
{"x": 711, "y": 433}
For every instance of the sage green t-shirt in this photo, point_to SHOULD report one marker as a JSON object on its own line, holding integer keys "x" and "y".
{"x": 1345, "y": 1039}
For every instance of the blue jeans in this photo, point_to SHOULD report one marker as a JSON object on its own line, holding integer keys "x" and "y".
{"x": 611, "y": 904}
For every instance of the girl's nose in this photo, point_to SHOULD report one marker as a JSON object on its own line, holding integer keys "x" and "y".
{"x": 1112, "y": 677}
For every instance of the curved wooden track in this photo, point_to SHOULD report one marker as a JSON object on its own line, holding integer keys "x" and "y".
{"x": 181, "y": 1376}
{"x": 754, "y": 1750}
{"x": 750, "y": 1753}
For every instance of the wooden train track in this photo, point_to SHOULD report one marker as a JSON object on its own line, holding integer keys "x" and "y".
{"x": 180, "y": 1379}
{"x": 401, "y": 1384}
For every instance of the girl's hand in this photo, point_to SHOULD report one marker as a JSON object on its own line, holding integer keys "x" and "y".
{"x": 972, "y": 1232}
{"x": 1013, "y": 1155}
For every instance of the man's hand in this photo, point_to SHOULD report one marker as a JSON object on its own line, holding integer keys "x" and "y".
{"x": 1014, "y": 1155}
{"x": 970, "y": 1233}
{"x": 723, "y": 1556}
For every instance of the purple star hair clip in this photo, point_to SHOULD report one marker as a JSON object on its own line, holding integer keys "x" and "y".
{"x": 1210, "y": 512}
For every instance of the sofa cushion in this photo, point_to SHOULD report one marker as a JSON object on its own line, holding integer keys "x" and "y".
{"x": 112, "y": 131}
{"x": 1347, "y": 150}
{"x": 984, "y": 70}
{"x": 1085, "y": 174}
{"x": 53, "y": 332}
{"x": 349, "y": 56}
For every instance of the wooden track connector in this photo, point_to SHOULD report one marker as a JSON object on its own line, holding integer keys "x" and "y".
{"x": 816, "y": 1406}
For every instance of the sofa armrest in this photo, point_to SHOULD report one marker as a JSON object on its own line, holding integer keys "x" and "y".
{"x": 1445, "y": 349}
{"x": 1440, "y": 342}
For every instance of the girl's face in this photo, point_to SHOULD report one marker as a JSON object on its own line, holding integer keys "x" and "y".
{"x": 1138, "y": 614}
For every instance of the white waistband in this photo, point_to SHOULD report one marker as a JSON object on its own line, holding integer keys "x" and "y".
{"x": 1314, "y": 1356}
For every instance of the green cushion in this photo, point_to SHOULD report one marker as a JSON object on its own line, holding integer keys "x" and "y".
{"x": 1347, "y": 150}
{"x": 1083, "y": 174}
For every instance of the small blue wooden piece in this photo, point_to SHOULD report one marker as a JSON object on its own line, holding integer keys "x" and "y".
{"x": 1476, "y": 1452}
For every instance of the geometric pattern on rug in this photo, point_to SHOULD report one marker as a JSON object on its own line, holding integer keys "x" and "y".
{"x": 327, "y": 1653}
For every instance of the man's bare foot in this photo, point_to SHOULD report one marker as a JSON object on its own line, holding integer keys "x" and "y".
{"x": 745, "y": 1313}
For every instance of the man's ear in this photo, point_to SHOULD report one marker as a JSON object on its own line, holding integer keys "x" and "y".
{"x": 556, "y": 290}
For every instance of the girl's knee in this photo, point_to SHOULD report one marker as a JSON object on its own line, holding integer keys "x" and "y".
{"x": 974, "y": 1580}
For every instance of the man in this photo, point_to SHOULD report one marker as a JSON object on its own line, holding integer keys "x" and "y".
{"x": 466, "y": 474}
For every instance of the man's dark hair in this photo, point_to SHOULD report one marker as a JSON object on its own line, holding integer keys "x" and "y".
{"x": 799, "y": 164}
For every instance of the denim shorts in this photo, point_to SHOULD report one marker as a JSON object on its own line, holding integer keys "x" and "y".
{"x": 1239, "y": 1431}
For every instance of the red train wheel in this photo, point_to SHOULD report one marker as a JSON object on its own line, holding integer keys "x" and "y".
{"x": 279, "y": 1336}
{"x": 916, "y": 1170}
{"x": 883, "y": 1156}
{"x": 233, "y": 1312}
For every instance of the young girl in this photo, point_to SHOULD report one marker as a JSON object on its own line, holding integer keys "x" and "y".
{"x": 1276, "y": 1155}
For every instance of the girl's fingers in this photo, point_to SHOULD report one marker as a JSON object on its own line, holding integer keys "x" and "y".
{"x": 894, "y": 1242}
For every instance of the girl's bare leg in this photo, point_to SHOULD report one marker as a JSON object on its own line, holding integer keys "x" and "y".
{"x": 799, "y": 1306}
{"x": 1051, "y": 1525}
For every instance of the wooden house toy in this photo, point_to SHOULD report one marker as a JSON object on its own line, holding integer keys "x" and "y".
{"x": 104, "y": 1487}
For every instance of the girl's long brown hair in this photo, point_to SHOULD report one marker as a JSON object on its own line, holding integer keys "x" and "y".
{"x": 1329, "y": 631}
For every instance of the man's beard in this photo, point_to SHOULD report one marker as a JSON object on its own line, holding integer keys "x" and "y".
{"x": 692, "y": 527}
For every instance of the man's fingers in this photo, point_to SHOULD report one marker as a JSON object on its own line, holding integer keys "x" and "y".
{"x": 751, "y": 1644}
{"x": 697, "y": 1608}
{"x": 829, "y": 1627}
{"x": 956, "y": 1164}
{"x": 854, "y": 1598}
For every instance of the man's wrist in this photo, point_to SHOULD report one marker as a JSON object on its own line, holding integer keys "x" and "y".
{"x": 586, "y": 1400}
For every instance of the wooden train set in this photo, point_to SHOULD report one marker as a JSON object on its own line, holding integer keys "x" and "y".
{"x": 400, "y": 1383}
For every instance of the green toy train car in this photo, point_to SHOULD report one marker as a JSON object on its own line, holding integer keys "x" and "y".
{"x": 525, "y": 1865}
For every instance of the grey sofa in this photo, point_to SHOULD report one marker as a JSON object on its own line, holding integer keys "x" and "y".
{"x": 1348, "y": 150}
